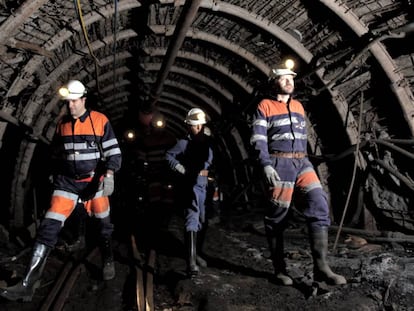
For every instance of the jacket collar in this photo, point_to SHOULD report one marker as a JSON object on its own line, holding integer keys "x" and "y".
{"x": 83, "y": 117}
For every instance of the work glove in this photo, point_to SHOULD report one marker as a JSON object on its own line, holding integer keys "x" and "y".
{"x": 271, "y": 175}
{"x": 108, "y": 185}
{"x": 180, "y": 168}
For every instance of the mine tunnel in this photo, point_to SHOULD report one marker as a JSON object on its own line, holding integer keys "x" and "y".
{"x": 144, "y": 65}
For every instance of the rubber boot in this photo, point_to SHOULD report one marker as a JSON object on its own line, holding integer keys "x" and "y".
{"x": 108, "y": 267}
{"x": 192, "y": 267}
{"x": 319, "y": 247}
{"x": 201, "y": 235}
{"x": 24, "y": 290}
{"x": 80, "y": 242}
{"x": 277, "y": 254}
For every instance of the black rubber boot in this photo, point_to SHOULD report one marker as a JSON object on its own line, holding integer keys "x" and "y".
{"x": 192, "y": 267}
{"x": 80, "y": 242}
{"x": 277, "y": 253}
{"x": 24, "y": 290}
{"x": 201, "y": 236}
{"x": 319, "y": 247}
{"x": 108, "y": 267}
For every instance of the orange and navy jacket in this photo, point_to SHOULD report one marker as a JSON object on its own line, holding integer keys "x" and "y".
{"x": 75, "y": 145}
{"x": 278, "y": 126}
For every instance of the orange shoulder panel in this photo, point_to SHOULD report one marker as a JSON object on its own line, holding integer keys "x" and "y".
{"x": 296, "y": 106}
{"x": 86, "y": 128}
{"x": 275, "y": 108}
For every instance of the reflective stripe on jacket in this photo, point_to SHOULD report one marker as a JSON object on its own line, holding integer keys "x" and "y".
{"x": 77, "y": 144}
{"x": 278, "y": 126}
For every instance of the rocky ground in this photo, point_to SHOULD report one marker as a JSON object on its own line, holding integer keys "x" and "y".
{"x": 239, "y": 274}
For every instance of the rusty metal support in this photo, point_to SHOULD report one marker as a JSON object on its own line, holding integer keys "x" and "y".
{"x": 140, "y": 287}
{"x": 149, "y": 287}
{"x": 187, "y": 16}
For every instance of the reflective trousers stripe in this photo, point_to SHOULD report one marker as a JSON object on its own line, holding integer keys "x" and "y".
{"x": 63, "y": 203}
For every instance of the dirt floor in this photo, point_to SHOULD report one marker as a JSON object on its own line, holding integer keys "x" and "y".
{"x": 238, "y": 276}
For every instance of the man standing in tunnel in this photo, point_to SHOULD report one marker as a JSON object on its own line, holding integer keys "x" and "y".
{"x": 191, "y": 157}
{"x": 279, "y": 137}
{"x": 86, "y": 155}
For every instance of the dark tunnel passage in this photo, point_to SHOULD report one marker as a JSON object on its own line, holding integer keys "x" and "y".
{"x": 144, "y": 65}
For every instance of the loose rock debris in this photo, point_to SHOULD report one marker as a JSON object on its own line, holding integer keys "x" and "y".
{"x": 239, "y": 274}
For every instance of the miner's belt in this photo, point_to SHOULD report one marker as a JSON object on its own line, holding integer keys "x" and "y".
{"x": 203, "y": 173}
{"x": 84, "y": 176}
{"x": 291, "y": 155}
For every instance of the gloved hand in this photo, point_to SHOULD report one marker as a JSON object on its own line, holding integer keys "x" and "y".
{"x": 180, "y": 168}
{"x": 271, "y": 175}
{"x": 108, "y": 185}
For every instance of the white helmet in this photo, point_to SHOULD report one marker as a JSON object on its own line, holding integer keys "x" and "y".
{"x": 74, "y": 89}
{"x": 274, "y": 73}
{"x": 195, "y": 116}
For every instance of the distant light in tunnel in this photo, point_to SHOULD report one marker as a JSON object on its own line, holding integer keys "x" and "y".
{"x": 159, "y": 123}
{"x": 130, "y": 135}
{"x": 158, "y": 120}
